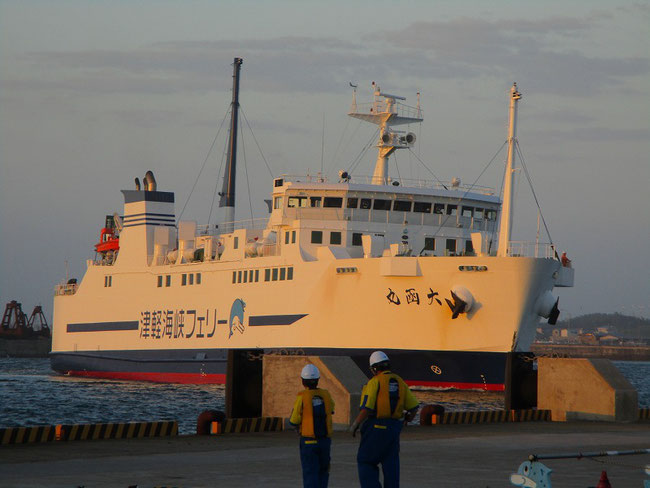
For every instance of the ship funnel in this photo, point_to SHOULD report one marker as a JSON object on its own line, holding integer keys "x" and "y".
{"x": 149, "y": 182}
{"x": 137, "y": 183}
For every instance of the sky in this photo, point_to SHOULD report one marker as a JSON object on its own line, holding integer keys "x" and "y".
{"x": 95, "y": 93}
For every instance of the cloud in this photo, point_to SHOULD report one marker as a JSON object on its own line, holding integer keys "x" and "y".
{"x": 598, "y": 134}
{"x": 541, "y": 52}
{"x": 545, "y": 55}
{"x": 284, "y": 64}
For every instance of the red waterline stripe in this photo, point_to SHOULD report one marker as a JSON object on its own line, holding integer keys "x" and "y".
{"x": 186, "y": 378}
{"x": 458, "y": 385}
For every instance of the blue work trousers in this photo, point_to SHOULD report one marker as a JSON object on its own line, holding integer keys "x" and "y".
{"x": 379, "y": 445}
{"x": 315, "y": 459}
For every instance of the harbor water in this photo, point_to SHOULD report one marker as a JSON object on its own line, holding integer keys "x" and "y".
{"x": 32, "y": 394}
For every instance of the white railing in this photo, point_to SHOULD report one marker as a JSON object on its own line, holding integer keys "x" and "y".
{"x": 65, "y": 289}
{"x": 216, "y": 229}
{"x": 403, "y": 182}
{"x": 532, "y": 249}
{"x": 380, "y": 106}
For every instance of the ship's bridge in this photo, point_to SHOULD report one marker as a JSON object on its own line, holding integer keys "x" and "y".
{"x": 339, "y": 213}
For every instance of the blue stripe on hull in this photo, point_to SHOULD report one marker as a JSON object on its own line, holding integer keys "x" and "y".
{"x": 102, "y": 326}
{"x": 439, "y": 368}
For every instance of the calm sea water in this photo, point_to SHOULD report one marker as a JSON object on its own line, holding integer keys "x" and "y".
{"x": 32, "y": 394}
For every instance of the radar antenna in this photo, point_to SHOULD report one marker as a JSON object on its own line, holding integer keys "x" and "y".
{"x": 385, "y": 111}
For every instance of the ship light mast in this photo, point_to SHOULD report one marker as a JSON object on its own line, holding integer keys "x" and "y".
{"x": 227, "y": 194}
{"x": 385, "y": 112}
{"x": 505, "y": 225}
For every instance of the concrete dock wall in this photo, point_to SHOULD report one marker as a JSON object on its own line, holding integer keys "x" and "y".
{"x": 339, "y": 375}
{"x": 615, "y": 353}
{"x": 585, "y": 389}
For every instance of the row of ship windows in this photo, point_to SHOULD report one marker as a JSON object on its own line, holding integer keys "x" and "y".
{"x": 270, "y": 274}
{"x": 385, "y": 204}
{"x": 451, "y": 245}
{"x": 186, "y": 279}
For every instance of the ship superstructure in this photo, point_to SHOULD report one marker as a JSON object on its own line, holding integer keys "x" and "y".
{"x": 339, "y": 267}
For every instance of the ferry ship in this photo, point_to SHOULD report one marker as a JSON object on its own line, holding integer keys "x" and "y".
{"x": 426, "y": 272}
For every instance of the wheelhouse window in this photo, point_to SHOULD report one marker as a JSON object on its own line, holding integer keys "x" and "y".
{"x": 274, "y": 276}
{"x": 235, "y": 243}
{"x": 277, "y": 202}
{"x": 422, "y": 207}
{"x": 267, "y": 274}
{"x": 402, "y": 205}
{"x": 451, "y": 246}
{"x": 429, "y": 244}
{"x": 356, "y": 239}
{"x": 469, "y": 247}
{"x": 380, "y": 204}
{"x": 286, "y": 237}
{"x": 183, "y": 280}
{"x": 316, "y": 236}
{"x": 191, "y": 278}
{"x": 160, "y": 281}
{"x": 283, "y": 274}
{"x": 365, "y": 203}
{"x": 290, "y": 273}
{"x": 467, "y": 211}
{"x": 439, "y": 208}
{"x": 335, "y": 238}
{"x": 478, "y": 213}
{"x": 353, "y": 202}
{"x": 490, "y": 214}
{"x": 198, "y": 278}
{"x": 293, "y": 237}
{"x": 168, "y": 280}
{"x": 297, "y": 202}
{"x": 315, "y": 202}
{"x": 333, "y": 202}
{"x": 452, "y": 209}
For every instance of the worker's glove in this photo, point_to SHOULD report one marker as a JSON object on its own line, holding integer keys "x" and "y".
{"x": 353, "y": 428}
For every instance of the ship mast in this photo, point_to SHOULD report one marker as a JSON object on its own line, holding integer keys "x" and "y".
{"x": 227, "y": 199}
{"x": 505, "y": 226}
{"x": 386, "y": 112}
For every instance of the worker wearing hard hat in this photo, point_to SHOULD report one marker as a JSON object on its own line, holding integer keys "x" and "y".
{"x": 312, "y": 416}
{"x": 386, "y": 405}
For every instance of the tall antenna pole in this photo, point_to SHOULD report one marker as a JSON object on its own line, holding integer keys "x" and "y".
{"x": 228, "y": 191}
{"x": 505, "y": 226}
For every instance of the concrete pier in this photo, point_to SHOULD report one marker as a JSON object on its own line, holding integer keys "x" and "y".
{"x": 442, "y": 456}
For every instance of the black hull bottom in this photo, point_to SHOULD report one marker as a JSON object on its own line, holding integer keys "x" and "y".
{"x": 439, "y": 369}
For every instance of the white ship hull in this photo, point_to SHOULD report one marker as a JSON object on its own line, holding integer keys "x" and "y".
{"x": 338, "y": 268}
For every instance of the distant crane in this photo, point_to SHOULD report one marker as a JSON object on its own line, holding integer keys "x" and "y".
{"x": 16, "y": 325}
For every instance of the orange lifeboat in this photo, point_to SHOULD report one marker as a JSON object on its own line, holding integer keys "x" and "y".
{"x": 108, "y": 240}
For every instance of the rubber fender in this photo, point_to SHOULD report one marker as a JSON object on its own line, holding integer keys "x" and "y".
{"x": 427, "y": 411}
{"x": 206, "y": 418}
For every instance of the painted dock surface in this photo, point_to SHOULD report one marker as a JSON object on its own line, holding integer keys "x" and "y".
{"x": 482, "y": 455}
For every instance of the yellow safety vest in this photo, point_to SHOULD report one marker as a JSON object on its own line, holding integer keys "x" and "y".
{"x": 383, "y": 398}
{"x": 307, "y": 425}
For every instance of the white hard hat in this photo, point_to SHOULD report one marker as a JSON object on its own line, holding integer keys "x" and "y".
{"x": 310, "y": 372}
{"x": 377, "y": 357}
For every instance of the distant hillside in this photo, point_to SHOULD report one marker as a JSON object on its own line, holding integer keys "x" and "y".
{"x": 623, "y": 325}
